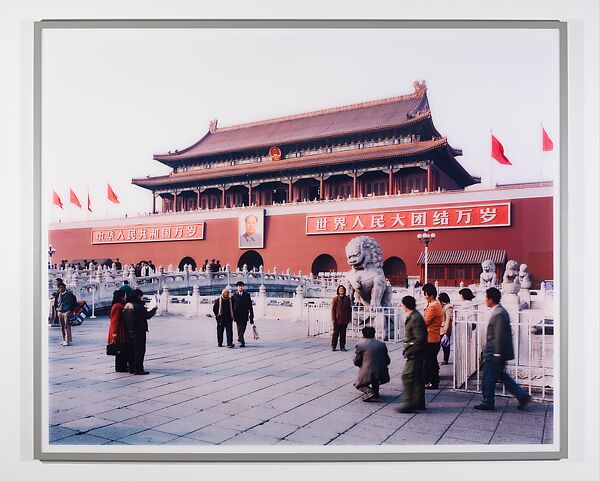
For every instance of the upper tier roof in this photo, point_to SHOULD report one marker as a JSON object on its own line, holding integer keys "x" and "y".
{"x": 348, "y": 119}
{"x": 322, "y": 160}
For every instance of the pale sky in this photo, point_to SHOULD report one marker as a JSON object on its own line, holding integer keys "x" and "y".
{"x": 112, "y": 98}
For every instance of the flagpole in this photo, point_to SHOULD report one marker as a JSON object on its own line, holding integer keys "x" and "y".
{"x": 491, "y": 163}
{"x": 106, "y": 199}
{"x": 542, "y": 154}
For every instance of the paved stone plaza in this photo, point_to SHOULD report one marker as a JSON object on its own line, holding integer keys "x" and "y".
{"x": 283, "y": 389}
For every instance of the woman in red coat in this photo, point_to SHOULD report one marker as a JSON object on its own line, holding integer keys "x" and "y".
{"x": 116, "y": 330}
{"x": 341, "y": 315}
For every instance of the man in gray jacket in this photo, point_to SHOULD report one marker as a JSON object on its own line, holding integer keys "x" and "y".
{"x": 497, "y": 351}
{"x": 371, "y": 356}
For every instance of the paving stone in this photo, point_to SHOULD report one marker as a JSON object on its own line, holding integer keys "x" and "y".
{"x": 86, "y": 424}
{"x": 503, "y": 438}
{"x": 312, "y": 436}
{"x": 251, "y": 439}
{"x": 150, "y": 420}
{"x": 82, "y": 439}
{"x": 185, "y": 441}
{"x": 347, "y": 439}
{"x": 148, "y": 406}
{"x": 149, "y": 436}
{"x": 469, "y": 434}
{"x": 213, "y": 434}
{"x": 411, "y": 437}
{"x": 56, "y": 433}
{"x": 526, "y": 430}
{"x": 118, "y": 415}
{"x": 116, "y": 431}
{"x": 273, "y": 429}
{"x": 447, "y": 440}
{"x": 238, "y": 422}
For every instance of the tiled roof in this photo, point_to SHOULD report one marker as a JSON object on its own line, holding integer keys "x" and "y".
{"x": 362, "y": 117}
{"x": 463, "y": 257}
{"x": 372, "y": 153}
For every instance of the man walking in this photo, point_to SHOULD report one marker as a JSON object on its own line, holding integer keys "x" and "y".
{"x": 497, "y": 351}
{"x": 242, "y": 311}
{"x": 434, "y": 317}
{"x": 136, "y": 318}
{"x": 371, "y": 356}
{"x": 65, "y": 305}
{"x": 415, "y": 344}
{"x": 224, "y": 308}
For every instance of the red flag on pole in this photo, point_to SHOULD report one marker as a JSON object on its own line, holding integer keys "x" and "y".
{"x": 112, "y": 196}
{"x": 56, "y": 200}
{"x": 498, "y": 152}
{"x": 89, "y": 202}
{"x": 73, "y": 199}
{"x": 547, "y": 144}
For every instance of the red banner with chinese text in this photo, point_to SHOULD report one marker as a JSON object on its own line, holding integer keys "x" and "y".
{"x": 454, "y": 217}
{"x": 148, "y": 233}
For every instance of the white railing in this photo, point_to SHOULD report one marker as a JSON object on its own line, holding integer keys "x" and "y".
{"x": 387, "y": 321}
{"x": 533, "y": 341}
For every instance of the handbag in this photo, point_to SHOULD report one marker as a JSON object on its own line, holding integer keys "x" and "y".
{"x": 254, "y": 332}
{"x": 445, "y": 342}
{"x": 115, "y": 349}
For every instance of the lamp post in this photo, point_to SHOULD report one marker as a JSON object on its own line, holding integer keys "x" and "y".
{"x": 93, "y": 289}
{"x": 426, "y": 238}
{"x": 51, "y": 252}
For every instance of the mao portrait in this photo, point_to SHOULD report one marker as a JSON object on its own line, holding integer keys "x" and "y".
{"x": 251, "y": 231}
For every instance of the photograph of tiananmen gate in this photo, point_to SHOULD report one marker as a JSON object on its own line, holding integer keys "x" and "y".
{"x": 315, "y": 180}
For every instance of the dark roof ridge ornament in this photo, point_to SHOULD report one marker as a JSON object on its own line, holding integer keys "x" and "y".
{"x": 213, "y": 126}
{"x": 423, "y": 104}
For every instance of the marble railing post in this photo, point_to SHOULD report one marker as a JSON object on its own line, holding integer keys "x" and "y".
{"x": 261, "y": 302}
{"x": 164, "y": 301}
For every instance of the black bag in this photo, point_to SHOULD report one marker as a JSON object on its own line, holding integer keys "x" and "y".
{"x": 115, "y": 349}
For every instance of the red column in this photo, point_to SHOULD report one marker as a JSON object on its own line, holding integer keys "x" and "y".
{"x": 223, "y": 197}
{"x": 175, "y": 201}
{"x": 321, "y": 193}
{"x": 153, "y": 203}
{"x": 429, "y": 179}
{"x": 290, "y": 191}
{"x": 198, "y": 199}
{"x": 390, "y": 182}
{"x": 354, "y": 192}
{"x": 250, "y": 193}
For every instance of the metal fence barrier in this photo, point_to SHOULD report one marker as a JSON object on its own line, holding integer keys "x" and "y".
{"x": 533, "y": 341}
{"x": 387, "y": 321}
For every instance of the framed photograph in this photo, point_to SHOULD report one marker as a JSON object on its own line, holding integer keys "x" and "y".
{"x": 251, "y": 229}
{"x": 410, "y": 298}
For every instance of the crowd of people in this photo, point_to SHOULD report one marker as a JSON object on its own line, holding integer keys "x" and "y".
{"x": 424, "y": 335}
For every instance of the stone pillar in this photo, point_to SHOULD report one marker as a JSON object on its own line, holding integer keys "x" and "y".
{"x": 261, "y": 302}
{"x": 298, "y": 304}
{"x": 164, "y": 301}
{"x": 525, "y": 297}
{"x": 195, "y": 299}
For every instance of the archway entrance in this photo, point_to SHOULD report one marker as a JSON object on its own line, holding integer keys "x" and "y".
{"x": 252, "y": 259}
{"x": 323, "y": 263}
{"x": 394, "y": 269}
{"x": 187, "y": 260}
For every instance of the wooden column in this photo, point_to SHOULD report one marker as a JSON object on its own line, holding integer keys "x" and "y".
{"x": 321, "y": 193}
{"x": 250, "y": 194}
{"x": 429, "y": 179}
{"x": 223, "y": 197}
{"x": 198, "y": 199}
{"x": 175, "y": 201}
{"x": 391, "y": 182}
{"x": 290, "y": 191}
{"x": 354, "y": 192}
{"x": 153, "y": 202}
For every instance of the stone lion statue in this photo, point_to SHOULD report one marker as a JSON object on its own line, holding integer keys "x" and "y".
{"x": 366, "y": 278}
{"x": 510, "y": 281}
{"x": 524, "y": 278}
{"x": 488, "y": 277}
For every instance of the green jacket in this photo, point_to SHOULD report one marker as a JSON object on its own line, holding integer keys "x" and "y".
{"x": 415, "y": 336}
